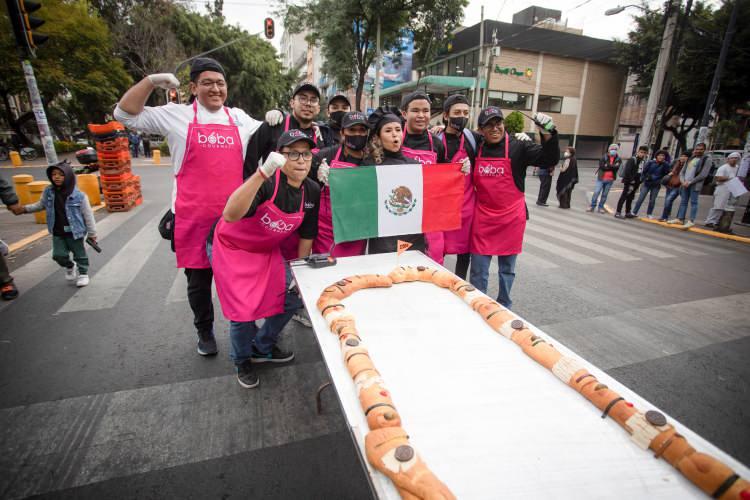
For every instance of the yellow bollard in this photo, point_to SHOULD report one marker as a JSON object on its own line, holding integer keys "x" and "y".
{"x": 35, "y": 192}
{"x": 156, "y": 154}
{"x": 21, "y": 182}
{"x": 15, "y": 159}
{"x": 89, "y": 185}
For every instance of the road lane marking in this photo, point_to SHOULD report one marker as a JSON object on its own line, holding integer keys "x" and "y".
{"x": 561, "y": 252}
{"x": 574, "y": 240}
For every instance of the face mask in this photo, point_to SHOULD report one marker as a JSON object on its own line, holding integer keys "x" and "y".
{"x": 566, "y": 155}
{"x": 612, "y": 152}
{"x": 356, "y": 142}
{"x": 336, "y": 117}
{"x": 458, "y": 122}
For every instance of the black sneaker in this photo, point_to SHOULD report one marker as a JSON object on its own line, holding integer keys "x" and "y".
{"x": 246, "y": 375}
{"x": 630, "y": 215}
{"x": 207, "y": 344}
{"x": 275, "y": 356}
{"x": 9, "y": 291}
{"x": 541, "y": 204}
{"x": 618, "y": 215}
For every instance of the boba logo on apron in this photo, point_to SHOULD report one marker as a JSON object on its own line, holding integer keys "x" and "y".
{"x": 215, "y": 140}
{"x": 491, "y": 171}
{"x": 278, "y": 226}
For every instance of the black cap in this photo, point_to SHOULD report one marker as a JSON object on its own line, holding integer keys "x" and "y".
{"x": 306, "y": 86}
{"x": 488, "y": 114}
{"x": 354, "y": 118}
{"x": 454, "y": 99}
{"x": 340, "y": 97}
{"x": 291, "y": 136}
{"x": 382, "y": 116}
{"x": 201, "y": 64}
{"x": 414, "y": 96}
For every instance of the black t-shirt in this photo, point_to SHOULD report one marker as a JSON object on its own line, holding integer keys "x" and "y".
{"x": 61, "y": 217}
{"x": 454, "y": 140}
{"x": 523, "y": 154}
{"x": 288, "y": 200}
{"x": 329, "y": 154}
{"x": 422, "y": 142}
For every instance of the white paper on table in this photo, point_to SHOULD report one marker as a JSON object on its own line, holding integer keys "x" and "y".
{"x": 736, "y": 188}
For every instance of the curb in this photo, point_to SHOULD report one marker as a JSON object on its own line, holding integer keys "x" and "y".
{"x": 20, "y": 244}
{"x": 707, "y": 232}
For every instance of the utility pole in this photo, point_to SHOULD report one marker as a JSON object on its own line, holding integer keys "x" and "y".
{"x": 376, "y": 94}
{"x": 475, "y": 101}
{"x": 714, "y": 92}
{"x": 662, "y": 63}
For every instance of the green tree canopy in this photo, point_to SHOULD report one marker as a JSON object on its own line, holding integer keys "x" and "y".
{"x": 514, "y": 122}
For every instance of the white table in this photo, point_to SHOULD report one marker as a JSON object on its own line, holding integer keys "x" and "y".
{"x": 487, "y": 419}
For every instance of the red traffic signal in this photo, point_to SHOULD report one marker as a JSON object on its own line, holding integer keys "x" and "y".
{"x": 269, "y": 29}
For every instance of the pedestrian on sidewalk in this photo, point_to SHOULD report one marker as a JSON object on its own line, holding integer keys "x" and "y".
{"x": 252, "y": 279}
{"x": 692, "y": 177}
{"x": 545, "y": 184}
{"x": 631, "y": 179}
{"x": 568, "y": 177}
{"x": 146, "y": 145}
{"x": 723, "y": 199}
{"x": 206, "y": 171}
{"x": 673, "y": 185}
{"x": 653, "y": 174}
{"x": 500, "y": 210}
{"x": 8, "y": 289}
{"x": 69, "y": 220}
{"x": 609, "y": 165}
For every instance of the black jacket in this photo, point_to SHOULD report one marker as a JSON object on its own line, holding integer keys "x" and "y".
{"x": 630, "y": 173}
{"x": 523, "y": 154}
{"x": 7, "y": 193}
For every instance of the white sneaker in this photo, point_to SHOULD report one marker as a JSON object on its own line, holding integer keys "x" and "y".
{"x": 71, "y": 273}
{"x": 674, "y": 221}
{"x": 688, "y": 224}
{"x": 82, "y": 280}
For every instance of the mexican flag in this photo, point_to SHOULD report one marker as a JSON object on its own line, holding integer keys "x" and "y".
{"x": 390, "y": 200}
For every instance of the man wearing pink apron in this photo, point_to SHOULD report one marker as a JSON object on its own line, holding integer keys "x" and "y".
{"x": 206, "y": 141}
{"x": 500, "y": 209}
{"x": 350, "y": 154}
{"x": 460, "y": 147}
{"x": 423, "y": 146}
{"x": 252, "y": 279}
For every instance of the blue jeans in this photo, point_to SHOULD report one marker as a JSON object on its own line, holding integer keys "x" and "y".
{"x": 653, "y": 192}
{"x": 689, "y": 194}
{"x": 480, "y": 271}
{"x": 672, "y": 194}
{"x": 602, "y": 187}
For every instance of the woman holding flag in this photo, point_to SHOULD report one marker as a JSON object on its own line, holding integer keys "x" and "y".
{"x": 500, "y": 211}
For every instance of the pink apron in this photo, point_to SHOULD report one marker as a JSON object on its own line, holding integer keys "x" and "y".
{"x": 290, "y": 246}
{"x": 247, "y": 263}
{"x": 435, "y": 243}
{"x": 457, "y": 241}
{"x": 500, "y": 210}
{"x": 324, "y": 240}
{"x": 211, "y": 170}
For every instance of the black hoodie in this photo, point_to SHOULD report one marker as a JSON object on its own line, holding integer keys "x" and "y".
{"x": 61, "y": 196}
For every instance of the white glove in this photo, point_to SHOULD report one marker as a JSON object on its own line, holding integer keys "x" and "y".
{"x": 323, "y": 171}
{"x": 521, "y": 136}
{"x": 164, "y": 80}
{"x": 466, "y": 166}
{"x": 274, "y": 162}
{"x": 274, "y": 117}
{"x": 545, "y": 120}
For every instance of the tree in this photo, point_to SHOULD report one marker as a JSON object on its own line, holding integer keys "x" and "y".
{"x": 346, "y": 30}
{"x": 514, "y": 122}
{"x": 696, "y": 56}
{"x": 75, "y": 69}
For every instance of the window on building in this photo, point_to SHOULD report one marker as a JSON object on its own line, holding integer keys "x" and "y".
{"x": 509, "y": 100}
{"x": 549, "y": 104}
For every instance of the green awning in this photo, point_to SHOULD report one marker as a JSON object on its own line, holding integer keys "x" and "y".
{"x": 435, "y": 84}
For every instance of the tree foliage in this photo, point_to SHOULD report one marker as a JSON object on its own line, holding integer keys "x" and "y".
{"x": 346, "y": 30}
{"x": 514, "y": 122}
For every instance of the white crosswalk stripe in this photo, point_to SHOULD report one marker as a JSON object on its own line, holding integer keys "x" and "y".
{"x": 529, "y": 261}
{"x": 586, "y": 244}
{"x": 178, "y": 290}
{"x": 562, "y": 252}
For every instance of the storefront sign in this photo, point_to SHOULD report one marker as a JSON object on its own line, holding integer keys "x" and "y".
{"x": 528, "y": 73}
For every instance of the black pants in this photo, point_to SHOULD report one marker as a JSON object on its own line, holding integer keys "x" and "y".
{"x": 546, "y": 184}
{"x": 199, "y": 296}
{"x": 462, "y": 264}
{"x": 564, "y": 198}
{"x": 5, "y": 276}
{"x": 628, "y": 193}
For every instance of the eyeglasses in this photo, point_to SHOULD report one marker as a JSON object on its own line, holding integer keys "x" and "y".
{"x": 296, "y": 155}
{"x": 307, "y": 100}
{"x": 210, "y": 83}
{"x": 492, "y": 126}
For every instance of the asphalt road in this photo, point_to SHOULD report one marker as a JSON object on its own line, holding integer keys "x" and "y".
{"x": 103, "y": 395}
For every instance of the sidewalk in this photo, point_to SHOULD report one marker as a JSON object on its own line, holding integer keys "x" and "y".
{"x": 41, "y": 162}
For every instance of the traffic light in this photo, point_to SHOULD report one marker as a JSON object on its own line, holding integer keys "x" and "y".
{"x": 269, "y": 28}
{"x": 24, "y": 24}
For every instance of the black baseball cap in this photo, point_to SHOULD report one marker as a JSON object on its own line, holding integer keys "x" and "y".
{"x": 354, "y": 118}
{"x": 454, "y": 99}
{"x": 340, "y": 97}
{"x": 291, "y": 136}
{"x": 488, "y": 114}
{"x": 201, "y": 64}
{"x": 414, "y": 96}
{"x": 306, "y": 86}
